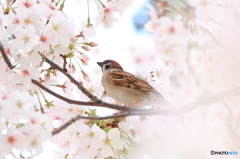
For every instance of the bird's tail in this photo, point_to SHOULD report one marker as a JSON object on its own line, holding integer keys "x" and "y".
{"x": 162, "y": 101}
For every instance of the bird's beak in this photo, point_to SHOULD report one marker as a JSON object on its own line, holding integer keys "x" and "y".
{"x": 100, "y": 64}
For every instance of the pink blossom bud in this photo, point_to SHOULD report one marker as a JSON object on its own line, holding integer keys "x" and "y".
{"x": 74, "y": 39}
{"x": 46, "y": 77}
{"x": 85, "y": 76}
{"x": 84, "y": 57}
{"x": 84, "y": 62}
{"x": 55, "y": 117}
{"x": 93, "y": 44}
{"x": 171, "y": 30}
{"x": 48, "y": 53}
{"x": 107, "y": 12}
{"x": 71, "y": 68}
{"x": 86, "y": 48}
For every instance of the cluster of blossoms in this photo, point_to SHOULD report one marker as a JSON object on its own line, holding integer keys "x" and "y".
{"x": 31, "y": 30}
{"x": 22, "y": 127}
{"x": 190, "y": 37}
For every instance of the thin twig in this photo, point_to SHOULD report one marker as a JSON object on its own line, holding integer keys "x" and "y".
{"x": 64, "y": 62}
{"x": 76, "y": 118}
{"x": 69, "y": 101}
{"x": 4, "y": 55}
{"x": 229, "y": 120}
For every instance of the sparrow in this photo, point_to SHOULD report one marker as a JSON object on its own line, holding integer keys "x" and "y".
{"x": 127, "y": 88}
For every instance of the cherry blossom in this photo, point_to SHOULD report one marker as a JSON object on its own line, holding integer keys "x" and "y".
{"x": 27, "y": 4}
{"x": 119, "y": 6}
{"x": 62, "y": 24}
{"x": 32, "y": 57}
{"x": 26, "y": 73}
{"x": 111, "y": 142}
{"x": 25, "y": 39}
{"x": 13, "y": 139}
{"x": 61, "y": 46}
{"x": 86, "y": 30}
{"x": 152, "y": 24}
{"x": 106, "y": 18}
{"x": 13, "y": 22}
{"x": 48, "y": 38}
{"x": 107, "y": 15}
{"x": 206, "y": 9}
{"x": 5, "y": 72}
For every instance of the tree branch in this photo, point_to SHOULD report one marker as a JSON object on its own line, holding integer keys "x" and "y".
{"x": 139, "y": 112}
{"x": 82, "y": 103}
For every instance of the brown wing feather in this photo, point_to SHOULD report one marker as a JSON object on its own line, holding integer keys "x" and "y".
{"x": 128, "y": 80}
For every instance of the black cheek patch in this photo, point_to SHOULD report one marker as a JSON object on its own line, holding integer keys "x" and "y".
{"x": 107, "y": 67}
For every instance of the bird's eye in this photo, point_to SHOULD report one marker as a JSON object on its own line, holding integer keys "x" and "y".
{"x": 107, "y": 66}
